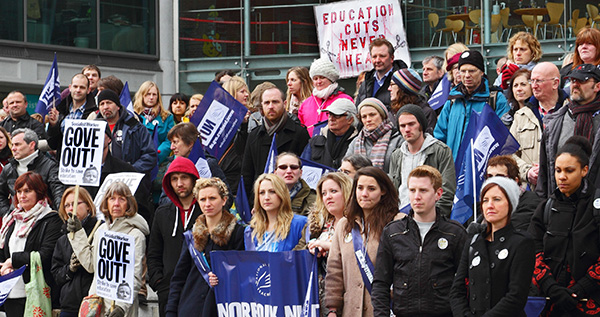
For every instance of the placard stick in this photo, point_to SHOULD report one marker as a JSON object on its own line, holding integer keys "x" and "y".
{"x": 75, "y": 205}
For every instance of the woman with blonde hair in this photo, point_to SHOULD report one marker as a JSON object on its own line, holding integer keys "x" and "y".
{"x": 524, "y": 52}
{"x": 274, "y": 226}
{"x": 195, "y": 100}
{"x": 120, "y": 211}
{"x": 73, "y": 282}
{"x": 215, "y": 230}
{"x": 299, "y": 87}
{"x": 148, "y": 105}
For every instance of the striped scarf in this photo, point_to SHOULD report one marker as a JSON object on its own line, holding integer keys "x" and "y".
{"x": 380, "y": 138}
{"x": 27, "y": 218}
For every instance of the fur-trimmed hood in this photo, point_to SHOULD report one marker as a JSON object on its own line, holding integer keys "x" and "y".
{"x": 220, "y": 235}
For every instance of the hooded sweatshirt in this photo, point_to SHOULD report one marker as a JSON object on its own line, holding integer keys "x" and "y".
{"x": 170, "y": 221}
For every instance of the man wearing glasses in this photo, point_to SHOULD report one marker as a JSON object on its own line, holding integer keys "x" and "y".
{"x": 471, "y": 94}
{"x": 579, "y": 117}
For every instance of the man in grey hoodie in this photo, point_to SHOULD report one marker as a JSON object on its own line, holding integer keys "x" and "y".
{"x": 419, "y": 149}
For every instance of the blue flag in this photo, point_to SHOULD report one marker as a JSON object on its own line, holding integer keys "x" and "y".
{"x": 266, "y": 283}
{"x": 241, "y": 202}
{"x": 8, "y": 281}
{"x": 440, "y": 94}
{"x": 270, "y": 164}
{"x": 125, "y": 98}
{"x": 318, "y": 126}
{"x": 312, "y": 172}
{"x": 197, "y": 156}
{"x": 489, "y": 137}
{"x": 218, "y": 118}
{"x": 50, "y": 96}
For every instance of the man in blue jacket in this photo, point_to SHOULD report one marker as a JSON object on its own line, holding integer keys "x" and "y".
{"x": 471, "y": 94}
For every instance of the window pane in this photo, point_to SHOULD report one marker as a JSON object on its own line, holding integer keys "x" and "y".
{"x": 11, "y": 21}
{"x": 66, "y": 22}
{"x": 128, "y": 26}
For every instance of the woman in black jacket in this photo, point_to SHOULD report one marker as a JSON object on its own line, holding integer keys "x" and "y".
{"x": 31, "y": 226}
{"x": 72, "y": 280}
{"x": 566, "y": 236}
{"x": 494, "y": 273}
{"x": 215, "y": 229}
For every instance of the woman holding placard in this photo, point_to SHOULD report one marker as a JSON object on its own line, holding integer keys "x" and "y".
{"x": 374, "y": 204}
{"x": 72, "y": 281}
{"x": 216, "y": 229}
{"x": 31, "y": 226}
{"x": 120, "y": 211}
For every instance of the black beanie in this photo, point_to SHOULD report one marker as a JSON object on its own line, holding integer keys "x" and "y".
{"x": 473, "y": 58}
{"x": 415, "y": 111}
{"x": 110, "y": 95}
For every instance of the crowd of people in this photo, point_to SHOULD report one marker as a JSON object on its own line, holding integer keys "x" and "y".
{"x": 537, "y": 233}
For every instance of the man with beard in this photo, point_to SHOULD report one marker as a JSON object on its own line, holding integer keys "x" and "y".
{"x": 579, "y": 117}
{"x": 171, "y": 220}
{"x": 291, "y": 137}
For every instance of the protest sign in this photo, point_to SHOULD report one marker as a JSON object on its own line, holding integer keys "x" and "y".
{"x": 81, "y": 152}
{"x": 131, "y": 179}
{"x": 346, "y": 29}
{"x": 115, "y": 266}
{"x": 218, "y": 118}
{"x": 266, "y": 283}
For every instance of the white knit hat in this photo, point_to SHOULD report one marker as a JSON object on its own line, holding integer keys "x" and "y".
{"x": 323, "y": 67}
{"x": 510, "y": 187}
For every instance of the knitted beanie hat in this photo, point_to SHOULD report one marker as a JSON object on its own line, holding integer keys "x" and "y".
{"x": 453, "y": 60}
{"x": 473, "y": 58}
{"x": 323, "y": 67}
{"x": 375, "y": 103}
{"x": 510, "y": 187}
{"x": 110, "y": 95}
{"x": 415, "y": 111}
{"x": 408, "y": 79}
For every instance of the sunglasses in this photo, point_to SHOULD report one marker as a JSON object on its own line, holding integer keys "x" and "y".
{"x": 284, "y": 167}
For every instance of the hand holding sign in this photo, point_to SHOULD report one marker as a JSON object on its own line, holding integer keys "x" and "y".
{"x": 115, "y": 266}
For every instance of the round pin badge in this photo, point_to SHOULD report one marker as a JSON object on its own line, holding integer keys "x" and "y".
{"x": 503, "y": 254}
{"x": 597, "y": 203}
{"x": 442, "y": 243}
{"x": 476, "y": 261}
{"x": 348, "y": 238}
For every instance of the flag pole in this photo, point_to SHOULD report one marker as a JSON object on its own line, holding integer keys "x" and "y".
{"x": 474, "y": 182}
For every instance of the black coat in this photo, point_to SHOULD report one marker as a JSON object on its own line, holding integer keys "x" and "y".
{"x": 493, "y": 278}
{"x": 163, "y": 247}
{"x": 366, "y": 87}
{"x": 43, "y": 165}
{"x": 55, "y": 134}
{"x": 24, "y": 121}
{"x": 319, "y": 150}
{"x": 528, "y": 203}
{"x": 422, "y": 273}
{"x": 292, "y": 137}
{"x": 72, "y": 286}
{"x": 231, "y": 161}
{"x": 569, "y": 234}
{"x": 190, "y": 295}
{"x": 42, "y": 238}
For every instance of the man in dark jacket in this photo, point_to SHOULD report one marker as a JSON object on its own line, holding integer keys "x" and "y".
{"x": 170, "y": 221}
{"x": 330, "y": 145}
{"x": 291, "y": 137}
{"x": 78, "y": 105}
{"x": 418, "y": 254}
{"x": 18, "y": 118}
{"x": 378, "y": 79}
{"x": 27, "y": 157}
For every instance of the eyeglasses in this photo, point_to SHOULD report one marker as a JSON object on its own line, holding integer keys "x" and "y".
{"x": 540, "y": 81}
{"x": 284, "y": 167}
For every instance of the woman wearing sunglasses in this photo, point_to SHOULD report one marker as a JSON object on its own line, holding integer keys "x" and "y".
{"x": 289, "y": 168}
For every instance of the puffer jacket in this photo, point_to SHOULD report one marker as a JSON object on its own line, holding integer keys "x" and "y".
{"x": 135, "y": 226}
{"x": 421, "y": 272}
{"x": 454, "y": 118}
{"x": 311, "y": 110}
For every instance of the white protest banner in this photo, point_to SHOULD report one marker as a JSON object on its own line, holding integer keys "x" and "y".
{"x": 81, "y": 153}
{"x": 115, "y": 266}
{"x": 131, "y": 179}
{"x": 346, "y": 29}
